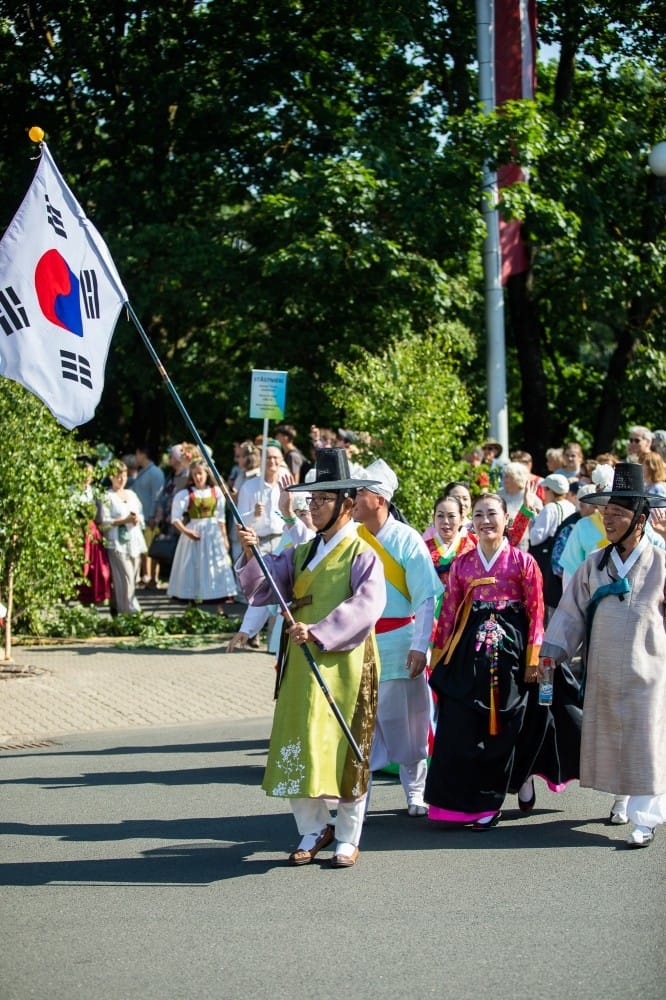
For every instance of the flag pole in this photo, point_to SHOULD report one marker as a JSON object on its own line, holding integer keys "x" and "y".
{"x": 241, "y": 524}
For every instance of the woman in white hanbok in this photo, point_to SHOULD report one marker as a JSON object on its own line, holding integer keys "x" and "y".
{"x": 201, "y": 569}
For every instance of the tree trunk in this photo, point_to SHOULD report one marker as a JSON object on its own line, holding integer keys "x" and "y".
{"x": 609, "y": 415}
{"x": 8, "y": 619}
{"x": 533, "y": 391}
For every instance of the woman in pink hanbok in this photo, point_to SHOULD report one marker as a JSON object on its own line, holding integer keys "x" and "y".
{"x": 492, "y": 736}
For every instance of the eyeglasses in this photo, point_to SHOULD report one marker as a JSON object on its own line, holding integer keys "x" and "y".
{"x": 320, "y": 500}
{"x": 635, "y": 440}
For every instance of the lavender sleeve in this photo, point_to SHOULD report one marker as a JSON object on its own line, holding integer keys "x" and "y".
{"x": 255, "y": 586}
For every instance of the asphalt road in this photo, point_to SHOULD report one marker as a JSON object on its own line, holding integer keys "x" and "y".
{"x": 149, "y": 864}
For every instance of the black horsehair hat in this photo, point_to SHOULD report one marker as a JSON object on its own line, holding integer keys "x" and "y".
{"x": 332, "y": 473}
{"x": 627, "y": 485}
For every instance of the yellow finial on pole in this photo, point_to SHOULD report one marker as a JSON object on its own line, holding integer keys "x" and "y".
{"x": 36, "y": 133}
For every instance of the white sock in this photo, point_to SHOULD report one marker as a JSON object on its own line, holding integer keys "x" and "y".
{"x": 486, "y": 819}
{"x": 345, "y": 849}
{"x": 308, "y": 840}
{"x": 526, "y": 791}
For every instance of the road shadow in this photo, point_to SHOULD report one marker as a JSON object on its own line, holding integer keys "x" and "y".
{"x": 237, "y": 774}
{"x": 255, "y": 747}
{"x": 396, "y": 831}
{"x": 212, "y": 849}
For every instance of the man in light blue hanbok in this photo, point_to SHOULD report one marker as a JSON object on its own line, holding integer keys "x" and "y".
{"x": 403, "y": 635}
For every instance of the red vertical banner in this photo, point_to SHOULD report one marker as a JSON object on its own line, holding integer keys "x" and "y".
{"x": 514, "y": 62}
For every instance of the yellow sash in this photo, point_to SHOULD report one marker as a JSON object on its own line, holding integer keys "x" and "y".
{"x": 393, "y": 571}
{"x": 462, "y": 616}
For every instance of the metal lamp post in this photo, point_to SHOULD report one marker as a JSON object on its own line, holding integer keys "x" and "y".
{"x": 492, "y": 259}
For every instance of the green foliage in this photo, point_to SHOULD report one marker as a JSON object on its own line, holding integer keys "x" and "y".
{"x": 41, "y": 528}
{"x": 77, "y": 622}
{"x": 282, "y": 182}
{"x": 71, "y": 621}
{"x": 411, "y": 401}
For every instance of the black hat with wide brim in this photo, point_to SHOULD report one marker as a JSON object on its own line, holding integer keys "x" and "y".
{"x": 331, "y": 473}
{"x": 627, "y": 485}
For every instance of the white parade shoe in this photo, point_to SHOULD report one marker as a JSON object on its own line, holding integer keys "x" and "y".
{"x": 640, "y": 836}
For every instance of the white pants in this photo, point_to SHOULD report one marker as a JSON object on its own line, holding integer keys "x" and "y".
{"x": 644, "y": 810}
{"x": 312, "y": 815}
{"x": 401, "y": 733}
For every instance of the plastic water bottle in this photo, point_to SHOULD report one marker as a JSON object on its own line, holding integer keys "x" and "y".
{"x": 546, "y": 683}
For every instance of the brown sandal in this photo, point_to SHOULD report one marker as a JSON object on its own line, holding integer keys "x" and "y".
{"x": 302, "y": 857}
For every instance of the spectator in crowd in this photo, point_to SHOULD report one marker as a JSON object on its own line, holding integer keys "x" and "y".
{"x": 519, "y": 500}
{"x": 347, "y": 439}
{"x": 249, "y": 461}
{"x": 180, "y": 456}
{"x": 554, "y": 459}
{"x": 96, "y": 585}
{"x": 639, "y": 443}
{"x": 148, "y": 486}
{"x": 553, "y": 580}
{"x": 544, "y": 526}
{"x": 132, "y": 468}
{"x": 654, "y": 474}
{"x": 492, "y": 453}
{"x": 235, "y": 470}
{"x": 659, "y": 443}
{"x": 534, "y": 479}
{"x": 285, "y": 434}
{"x": 122, "y": 523}
{"x": 473, "y": 457}
{"x": 590, "y": 464}
{"x": 492, "y": 458}
{"x": 572, "y": 460}
{"x": 588, "y": 533}
{"x": 259, "y": 501}
{"x": 201, "y": 569}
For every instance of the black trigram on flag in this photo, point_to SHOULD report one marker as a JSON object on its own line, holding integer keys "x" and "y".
{"x": 76, "y": 368}
{"x": 12, "y": 314}
{"x": 54, "y": 218}
{"x": 90, "y": 293}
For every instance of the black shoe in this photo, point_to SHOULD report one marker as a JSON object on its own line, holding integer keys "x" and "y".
{"x": 487, "y": 825}
{"x": 528, "y": 806}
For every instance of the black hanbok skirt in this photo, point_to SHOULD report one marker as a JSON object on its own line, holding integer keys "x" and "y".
{"x": 472, "y": 770}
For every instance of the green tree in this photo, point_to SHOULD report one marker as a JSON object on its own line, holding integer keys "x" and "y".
{"x": 41, "y": 532}
{"x": 411, "y": 401}
{"x": 279, "y": 182}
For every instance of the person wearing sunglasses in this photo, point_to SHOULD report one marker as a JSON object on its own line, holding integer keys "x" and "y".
{"x": 639, "y": 443}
